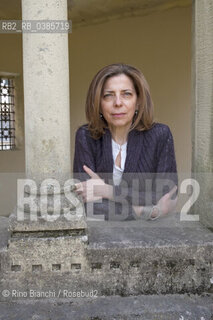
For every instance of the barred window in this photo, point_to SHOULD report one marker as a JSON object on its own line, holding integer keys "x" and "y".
{"x": 7, "y": 114}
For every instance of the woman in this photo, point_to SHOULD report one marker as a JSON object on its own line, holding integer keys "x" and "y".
{"x": 122, "y": 144}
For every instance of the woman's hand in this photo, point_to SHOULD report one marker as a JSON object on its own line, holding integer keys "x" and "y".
{"x": 166, "y": 204}
{"x": 93, "y": 189}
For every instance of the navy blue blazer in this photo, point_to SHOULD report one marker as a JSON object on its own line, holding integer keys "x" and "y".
{"x": 150, "y": 159}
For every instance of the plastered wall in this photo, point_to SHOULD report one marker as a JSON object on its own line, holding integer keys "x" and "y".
{"x": 158, "y": 44}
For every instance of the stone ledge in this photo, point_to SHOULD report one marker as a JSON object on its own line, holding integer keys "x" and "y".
{"x": 104, "y": 234}
{"x": 77, "y": 222}
{"x": 168, "y": 231}
{"x": 160, "y": 307}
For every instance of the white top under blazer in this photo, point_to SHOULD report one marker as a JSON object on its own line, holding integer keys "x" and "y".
{"x": 117, "y": 172}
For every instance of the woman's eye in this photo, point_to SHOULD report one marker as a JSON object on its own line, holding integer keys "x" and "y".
{"x": 107, "y": 95}
{"x": 127, "y": 93}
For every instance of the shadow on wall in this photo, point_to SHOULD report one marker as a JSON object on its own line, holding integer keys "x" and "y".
{"x": 8, "y": 192}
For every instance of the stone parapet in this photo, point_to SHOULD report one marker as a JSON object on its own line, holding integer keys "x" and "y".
{"x": 128, "y": 258}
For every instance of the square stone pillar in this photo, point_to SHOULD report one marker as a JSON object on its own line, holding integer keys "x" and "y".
{"x": 202, "y": 107}
{"x": 47, "y": 127}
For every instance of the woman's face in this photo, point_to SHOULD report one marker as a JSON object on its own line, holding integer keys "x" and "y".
{"x": 118, "y": 101}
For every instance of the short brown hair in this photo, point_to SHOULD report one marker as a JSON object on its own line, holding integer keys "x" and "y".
{"x": 142, "y": 121}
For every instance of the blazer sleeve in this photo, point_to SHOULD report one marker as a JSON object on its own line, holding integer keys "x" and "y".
{"x": 163, "y": 179}
{"x": 166, "y": 154}
{"x": 84, "y": 154}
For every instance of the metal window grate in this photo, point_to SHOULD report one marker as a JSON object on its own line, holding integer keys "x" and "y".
{"x": 7, "y": 114}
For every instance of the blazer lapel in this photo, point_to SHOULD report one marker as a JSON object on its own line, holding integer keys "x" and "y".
{"x": 107, "y": 158}
{"x": 134, "y": 147}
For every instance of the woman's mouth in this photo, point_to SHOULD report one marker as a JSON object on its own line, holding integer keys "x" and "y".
{"x": 118, "y": 115}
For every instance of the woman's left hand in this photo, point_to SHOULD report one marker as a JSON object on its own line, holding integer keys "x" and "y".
{"x": 92, "y": 189}
{"x": 166, "y": 203}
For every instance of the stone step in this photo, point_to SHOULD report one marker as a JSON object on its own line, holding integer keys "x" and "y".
{"x": 155, "y": 307}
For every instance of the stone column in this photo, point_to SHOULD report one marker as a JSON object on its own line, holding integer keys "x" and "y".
{"x": 47, "y": 117}
{"x": 46, "y": 94}
{"x": 202, "y": 106}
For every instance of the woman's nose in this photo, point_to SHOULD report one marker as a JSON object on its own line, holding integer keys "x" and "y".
{"x": 118, "y": 100}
